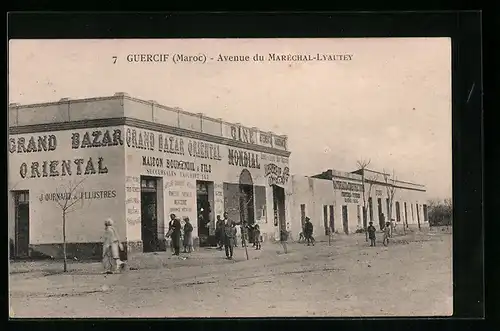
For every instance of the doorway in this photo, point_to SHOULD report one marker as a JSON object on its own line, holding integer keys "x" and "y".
{"x": 325, "y": 218}
{"x": 379, "y": 205}
{"x": 398, "y": 213}
{"x": 22, "y": 224}
{"x": 279, "y": 207}
{"x": 345, "y": 219}
{"x": 204, "y": 202}
{"x": 418, "y": 213}
{"x": 406, "y": 216}
{"x": 332, "y": 219}
{"x": 370, "y": 207}
{"x": 425, "y": 213}
{"x": 149, "y": 217}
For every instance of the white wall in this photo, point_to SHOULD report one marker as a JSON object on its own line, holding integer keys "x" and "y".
{"x": 103, "y": 193}
{"x": 181, "y": 184}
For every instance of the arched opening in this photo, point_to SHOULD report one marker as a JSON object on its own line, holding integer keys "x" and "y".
{"x": 246, "y": 199}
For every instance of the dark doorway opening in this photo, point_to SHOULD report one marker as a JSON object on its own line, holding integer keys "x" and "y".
{"x": 246, "y": 201}
{"x": 379, "y": 205}
{"x": 370, "y": 207}
{"x": 418, "y": 214}
{"x": 406, "y": 216}
{"x": 204, "y": 202}
{"x": 279, "y": 207}
{"x": 22, "y": 224}
{"x": 425, "y": 213}
{"x": 247, "y": 213}
{"x": 345, "y": 219}
{"x": 149, "y": 216}
{"x": 332, "y": 219}
{"x": 398, "y": 212}
{"x": 325, "y": 218}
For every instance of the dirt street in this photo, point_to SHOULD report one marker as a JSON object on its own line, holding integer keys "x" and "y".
{"x": 410, "y": 277}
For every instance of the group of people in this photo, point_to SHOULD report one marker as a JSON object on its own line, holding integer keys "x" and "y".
{"x": 371, "y": 234}
{"x": 226, "y": 234}
{"x": 180, "y": 234}
{"x": 307, "y": 232}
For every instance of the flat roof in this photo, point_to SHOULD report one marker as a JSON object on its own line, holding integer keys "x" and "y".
{"x": 30, "y": 117}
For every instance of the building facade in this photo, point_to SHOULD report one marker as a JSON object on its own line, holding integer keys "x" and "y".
{"x": 136, "y": 162}
{"x": 334, "y": 199}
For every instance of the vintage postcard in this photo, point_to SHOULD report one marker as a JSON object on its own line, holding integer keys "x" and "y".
{"x": 230, "y": 177}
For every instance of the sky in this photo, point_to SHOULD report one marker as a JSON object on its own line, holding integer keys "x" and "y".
{"x": 390, "y": 103}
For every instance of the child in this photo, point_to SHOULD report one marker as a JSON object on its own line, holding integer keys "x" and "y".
{"x": 256, "y": 236}
{"x": 387, "y": 232}
{"x": 371, "y": 234}
{"x": 283, "y": 239}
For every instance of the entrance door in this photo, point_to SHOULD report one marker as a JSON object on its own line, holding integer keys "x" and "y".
{"x": 149, "y": 219}
{"x": 332, "y": 219}
{"x": 406, "y": 215}
{"x": 425, "y": 213}
{"x": 398, "y": 213}
{"x": 22, "y": 225}
{"x": 325, "y": 218}
{"x": 204, "y": 212}
{"x": 279, "y": 207}
{"x": 345, "y": 219}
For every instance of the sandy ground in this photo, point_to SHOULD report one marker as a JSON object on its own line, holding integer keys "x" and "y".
{"x": 410, "y": 277}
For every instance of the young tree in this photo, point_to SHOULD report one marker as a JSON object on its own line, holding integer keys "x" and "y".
{"x": 362, "y": 165}
{"x": 245, "y": 201}
{"x": 390, "y": 185}
{"x": 69, "y": 200}
{"x": 371, "y": 180}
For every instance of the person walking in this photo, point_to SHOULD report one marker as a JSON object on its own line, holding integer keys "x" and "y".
{"x": 229, "y": 234}
{"x": 174, "y": 229}
{"x": 111, "y": 247}
{"x": 371, "y": 234}
{"x": 308, "y": 232}
{"x": 219, "y": 232}
{"x": 188, "y": 236}
{"x": 387, "y": 233}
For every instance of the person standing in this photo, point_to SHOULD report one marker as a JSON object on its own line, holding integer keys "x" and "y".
{"x": 371, "y": 234}
{"x": 229, "y": 234}
{"x": 188, "y": 236}
{"x": 256, "y": 237}
{"x": 308, "y": 232}
{"x": 111, "y": 247}
{"x": 174, "y": 228}
{"x": 387, "y": 233}
{"x": 219, "y": 232}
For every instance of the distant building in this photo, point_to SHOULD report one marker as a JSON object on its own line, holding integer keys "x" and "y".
{"x": 141, "y": 161}
{"x": 335, "y": 199}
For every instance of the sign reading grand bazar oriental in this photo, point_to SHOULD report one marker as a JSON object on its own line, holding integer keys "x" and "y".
{"x": 133, "y": 139}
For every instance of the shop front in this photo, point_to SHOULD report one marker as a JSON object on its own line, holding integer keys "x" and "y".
{"x": 138, "y": 163}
